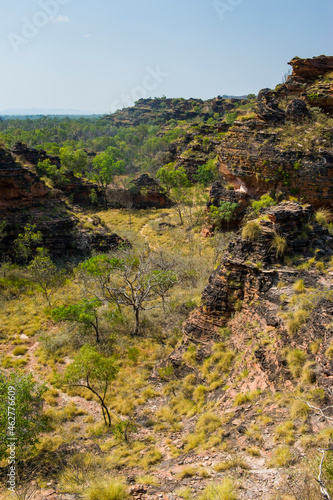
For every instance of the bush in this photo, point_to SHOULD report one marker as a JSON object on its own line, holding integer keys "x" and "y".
{"x": 265, "y": 201}
{"x": 296, "y": 360}
{"x": 107, "y": 490}
{"x": 281, "y": 457}
{"x": 208, "y": 423}
{"x": 329, "y": 351}
{"x": 279, "y": 244}
{"x": 296, "y": 320}
{"x": 251, "y": 231}
{"x": 324, "y": 217}
{"x": 20, "y": 350}
{"x": 299, "y": 286}
{"x": 221, "y": 491}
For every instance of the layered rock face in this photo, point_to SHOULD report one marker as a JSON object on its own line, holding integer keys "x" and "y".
{"x": 18, "y": 186}
{"x": 144, "y": 192}
{"x": 25, "y": 199}
{"x": 251, "y": 292}
{"x": 254, "y": 163}
{"x": 33, "y": 156}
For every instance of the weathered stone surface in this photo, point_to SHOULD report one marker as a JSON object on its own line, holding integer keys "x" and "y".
{"x": 240, "y": 292}
{"x": 143, "y": 192}
{"x": 311, "y": 68}
{"x": 220, "y": 194}
{"x": 268, "y": 107}
{"x": 25, "y": 199}
{"x": 257, "y": 165}
{"x": 17, "y": 184}
{"x": 296, "y": 109}
{"x": 34, "y": 156}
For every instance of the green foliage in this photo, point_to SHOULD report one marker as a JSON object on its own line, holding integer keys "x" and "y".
{"x": 93, "y": 196}
{"x": 105, "y": 166}
{"x": 84, "y": 313}
{"x": 324, "y": 217}
{"x": 111, "y": 489}
{"x": 225, "y": 212}
{"x": 171, "y": 177}
{"x": 278, "y": 244}
{"x": 296, "y": 360}
{"x": 93, "y": 371}
{"x": 207, "y": 174}
{"x": 76, "y": 161}
{"x": 230, "y": 117}
{"x": 265, "y": 201}
{"x": 27, "y": 242}
{"x": 251, "y": 231}
{"x": 20, "y": 350}
{"x": 133, "y": 281}
{"x": 24, "y": 397}
{"x": 48, "y": 169}
{"x": 219, "y": 491}
{"x": 44, "y": 273}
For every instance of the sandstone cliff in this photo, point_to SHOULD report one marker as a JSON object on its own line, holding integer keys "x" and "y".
{"x": 263, "y": 298}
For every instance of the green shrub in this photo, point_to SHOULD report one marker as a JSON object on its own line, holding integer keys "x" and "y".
{"x": 153, "y": 456}
{"x": 279, "y": 244}
{"x": 219, "y": 491}
{"x": 20, "y": 350}
{"x": 281, "y": 457}
{"x": 324, "y": 217}
{"x": 265, "y": 201}
{"x": 329, "y": 351}
{"x": 112, "y": 489}
{"x": 296, "y": 320}
{"x": 296, "y": 360}
{"x": 299, "y": 286}
{"x": 251, "y": 231}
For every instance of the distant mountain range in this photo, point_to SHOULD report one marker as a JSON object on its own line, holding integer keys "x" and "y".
{"x": 43, "y": 112}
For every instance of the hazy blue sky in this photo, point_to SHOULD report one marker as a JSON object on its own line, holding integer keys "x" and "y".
{"x": 103, "y": 54}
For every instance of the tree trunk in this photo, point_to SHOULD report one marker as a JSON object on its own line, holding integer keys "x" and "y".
{"x": 137, "y": 321}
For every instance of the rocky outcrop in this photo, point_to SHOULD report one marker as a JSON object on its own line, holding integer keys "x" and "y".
{"x": 33, "y": 156}
{"x": 268, "y": 107}
{"x": 26, "y": 200}
{"x": 220, "y": 194}
{"x": 311, "y": 68}
{"x": 79, "y": 190}
{"x": 143, "y": 192}
{"x": 296, "y": 110}
{"x": 254, "y": 163}
{"x": 18, "y": 186}
{"x": 250, "y": 293}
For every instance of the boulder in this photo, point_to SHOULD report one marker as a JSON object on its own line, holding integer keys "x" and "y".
{"x": 296, "y": 109}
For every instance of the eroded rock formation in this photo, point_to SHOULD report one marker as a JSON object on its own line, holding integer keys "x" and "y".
{"x": 250, "y": 293}
{"x": 143, "y": 192}
{"x": 25, "y": 199}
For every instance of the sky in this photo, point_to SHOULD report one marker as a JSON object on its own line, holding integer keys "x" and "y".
{"x": 100, "y": 55}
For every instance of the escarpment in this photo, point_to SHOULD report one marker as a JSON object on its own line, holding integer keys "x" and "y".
{"x": 26, "y": 200}
{"x": 271, "y": 290}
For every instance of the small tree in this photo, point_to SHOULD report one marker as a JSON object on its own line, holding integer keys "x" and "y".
{"x": 225, "y": 212}
{"x": 171, "y": 177}
{"x": 76, "y": 161}
{"x": 207, "y": 174}
{"x": 131, "y": 280}
{"x": 93, "y": 371}
{"x": 27, "y": 242}
{"x": 105, "y": 166}
{"x": 20, "y": 397}
{"x": 84, "y": 313}
{"x": 45, "y": 273}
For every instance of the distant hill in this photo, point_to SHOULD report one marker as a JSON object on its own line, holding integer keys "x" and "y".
{"x": 43, "y": 112}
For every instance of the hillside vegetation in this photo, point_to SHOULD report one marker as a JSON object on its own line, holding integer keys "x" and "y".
{"x": 166, "y": 298}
